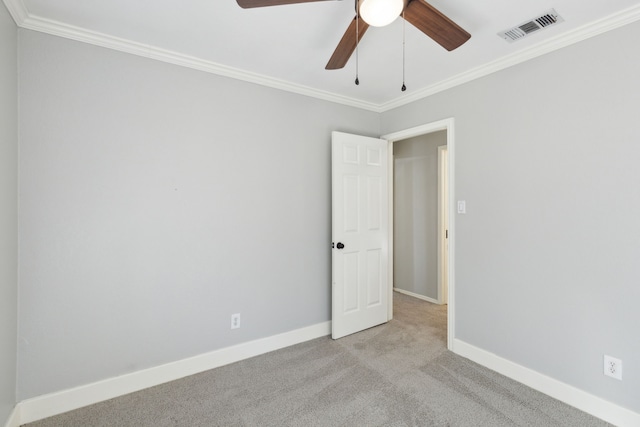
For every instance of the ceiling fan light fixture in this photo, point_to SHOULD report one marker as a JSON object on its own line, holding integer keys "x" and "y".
{"x": 379, "y": 13}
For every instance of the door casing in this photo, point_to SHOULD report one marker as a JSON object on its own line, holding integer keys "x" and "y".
{"x": 448, "y": 126}
{"x": 443, "y": 226}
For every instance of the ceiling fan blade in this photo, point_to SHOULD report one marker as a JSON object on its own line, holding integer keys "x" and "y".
{"x": 347, "y": 45}
{"x": 433, "y": 23}
{"x": 247, "y": 4}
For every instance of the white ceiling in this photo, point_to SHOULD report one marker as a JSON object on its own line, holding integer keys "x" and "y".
{"x": 289, "y": 46}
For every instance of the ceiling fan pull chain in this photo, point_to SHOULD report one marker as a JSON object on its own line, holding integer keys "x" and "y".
{"x": 357, "y": 41}
{"x": 404, "y": 24}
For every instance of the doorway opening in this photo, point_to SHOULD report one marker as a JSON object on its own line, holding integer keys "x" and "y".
{"x": 415, "y": 146}
{"x": 419, "y": 212}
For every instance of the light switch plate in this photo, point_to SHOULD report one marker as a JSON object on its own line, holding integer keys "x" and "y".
{"x": 462, "y": 207}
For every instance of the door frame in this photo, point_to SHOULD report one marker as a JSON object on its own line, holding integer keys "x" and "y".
{"x": 448, "y": 126}
{"x": 443, "y": 217}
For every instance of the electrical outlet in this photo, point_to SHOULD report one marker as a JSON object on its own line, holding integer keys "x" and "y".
{"x": 235, "y": 321}
{"x": 613, "y": 367}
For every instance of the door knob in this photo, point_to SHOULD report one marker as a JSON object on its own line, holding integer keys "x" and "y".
{"x": 340, "y": 245}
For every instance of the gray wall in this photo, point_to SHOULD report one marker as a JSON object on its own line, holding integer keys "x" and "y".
{"x": 155, "y": 202}
{"x": 547, "y": 157}
{"x": 415, "y": 217}
{"x": 8, "y": 211}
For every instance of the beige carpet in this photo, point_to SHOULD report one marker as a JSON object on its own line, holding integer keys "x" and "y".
{"x": 398, "y": 374}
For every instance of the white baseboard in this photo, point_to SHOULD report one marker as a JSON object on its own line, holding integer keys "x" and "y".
{"x": 41, "y": 407}
{"x": 66, "y": 400}
{"x": 411, "y": 294}
{"x": 14, "y": 418}
{"x": 570, "y": 395}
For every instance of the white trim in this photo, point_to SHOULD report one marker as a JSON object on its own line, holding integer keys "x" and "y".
{"x": 66, "y": 400}
{"x": 14, "y": 419}
{"x": 568, "y": 394}
{"x": 451, "y": 259}
{"x": 390, "y": 228}
{"x": 445, "y": 124}
{"x": 60, "y": 29}
{"x": 36, "y": 23}
{"x": 443, "y": 196}
{"x": 17, "y": 10}
{"x": 448, "y": 125}
{"x": 584, "y": 32}
{"x": 412, "y": 294}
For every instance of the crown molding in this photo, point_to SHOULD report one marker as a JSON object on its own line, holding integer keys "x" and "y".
{"x": 25, "y": 20}
{"x": 44, "y": 25}
{"x": 584, "y": 32}
{"x": 17, "y": 10}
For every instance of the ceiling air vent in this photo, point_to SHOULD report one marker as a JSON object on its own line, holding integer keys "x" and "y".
{"x": 529, "y": 27}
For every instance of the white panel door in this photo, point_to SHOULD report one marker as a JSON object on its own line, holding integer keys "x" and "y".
{"x": 360, "y": 222}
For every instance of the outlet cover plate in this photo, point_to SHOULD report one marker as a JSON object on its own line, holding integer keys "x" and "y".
{"x": 613, "y": 367}
{"x": 235, "y": 321}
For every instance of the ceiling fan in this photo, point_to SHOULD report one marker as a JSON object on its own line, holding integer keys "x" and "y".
{"x": 419, "y": 13}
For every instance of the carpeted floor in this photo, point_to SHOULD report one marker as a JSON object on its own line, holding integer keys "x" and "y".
{"x": 398, "y": 374}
